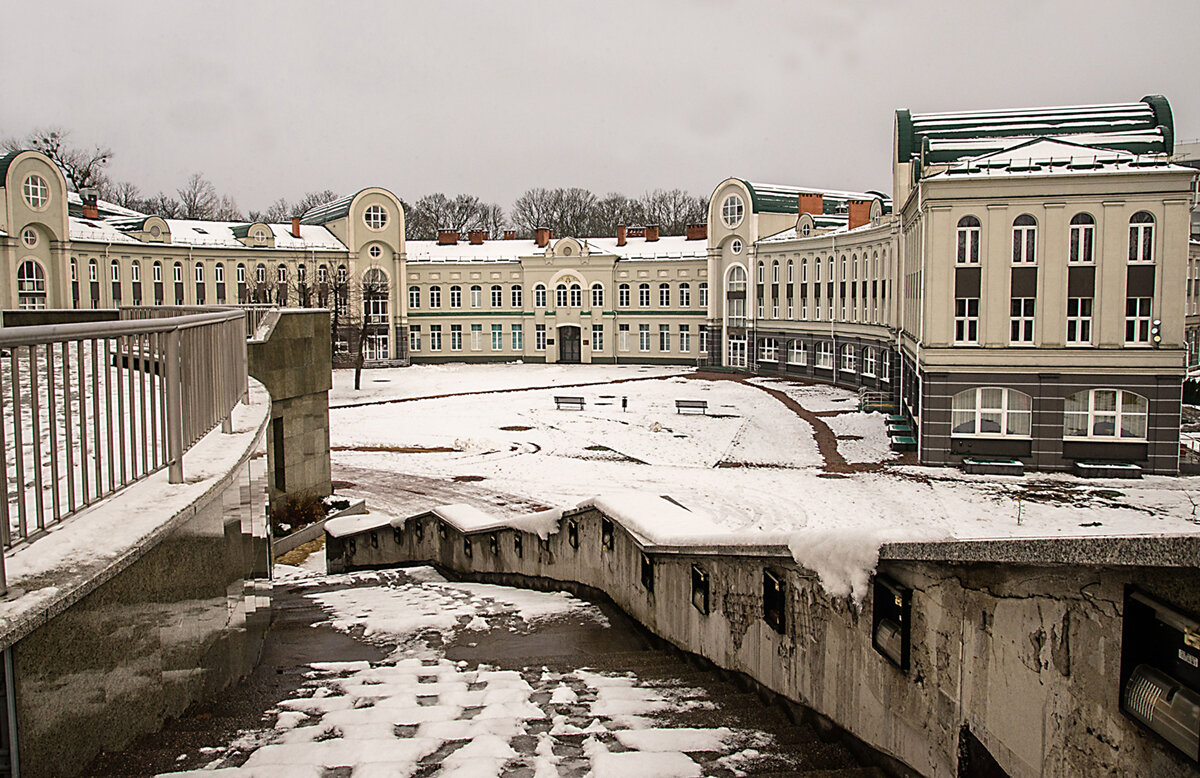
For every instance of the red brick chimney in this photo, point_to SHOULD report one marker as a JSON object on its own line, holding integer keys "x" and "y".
{"x": 860, "y": 213}
{"x": 651, "y": 233}
{"x": 621, "y": 234}
{"x": 91, "y": 210}
{"x": 697, "y": 231}
{"x": 510, "y": 234}
{"x": 542, "y": 235}
{"x": 477, "y": 237}
{"x": 447, "y": 237}
{"x": 812, "y": 202}
{"x": 295, "y": 226}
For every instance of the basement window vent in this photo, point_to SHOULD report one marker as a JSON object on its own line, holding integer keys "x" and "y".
{"x": 441, "y": 530}
{"x": 494, "y": 544}
{"x": 700, "y": 590}
{"x": 374, "y": 539}
{"x": 518, "y": 546}
{"x": 890, "y": 621}
{"x": 1160, "y": 671}
{"x": 398, "y": 535}
{"x": 774, "y": 600}
{"x": 573, "y": 533}
{"x": 419, "y": 531}
{"x": 647, "y": 573}
{"x": 467, "y": 552}
{"x": 606, "y": 534}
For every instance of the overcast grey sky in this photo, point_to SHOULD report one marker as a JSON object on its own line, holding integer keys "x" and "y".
{"x": 273, "y": 99}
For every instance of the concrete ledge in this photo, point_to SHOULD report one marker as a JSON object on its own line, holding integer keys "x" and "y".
{"x": 1157, "y": 551}
{"x": 313, "y": 531}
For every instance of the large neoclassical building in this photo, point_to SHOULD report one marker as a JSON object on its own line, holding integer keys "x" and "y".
{"x": 1025, "y": 292}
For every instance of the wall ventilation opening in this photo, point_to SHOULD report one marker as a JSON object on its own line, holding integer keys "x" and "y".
{"x": 1160, "y": 671}
{"x": 700, "y": 590}
{"x": 606, "y": 534}
{"x": 518, "y": 546}
{"x": 494, "y": 544}
{"x": 573, "y": 533}
{"x": 419, "y": 531}
{"x": 774, "y": 601}
{"x": 647, "y": 573}
{"x": 279, "y": 468}
{"x": 398, "y": 535}
{"x": 890, "y": 621}
{"x": 467, "y": 551}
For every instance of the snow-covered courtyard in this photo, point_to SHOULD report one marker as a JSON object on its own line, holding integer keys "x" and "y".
{"x": 751, "y": 465}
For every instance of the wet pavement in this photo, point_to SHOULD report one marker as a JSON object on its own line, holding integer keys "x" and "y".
{"x": 403, "y": 673}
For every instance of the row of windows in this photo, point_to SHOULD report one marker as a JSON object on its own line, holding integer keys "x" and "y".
{"x": 851, "y": 267}
{"x": 1082, "y": 243}
{"x": 565, "y": 296}
{"x": 874, "y": 361}
{"x": 992, "y": 411}
{"x": 1140, "y": 327}
{"x": 260, "y": 272}
{"x": 681, "y": 337}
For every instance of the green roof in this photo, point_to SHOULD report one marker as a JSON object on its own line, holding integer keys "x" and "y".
{"x": 1144, "y": 127}
{"x": 5, "y": 161}
{"x": 775, "y": 198}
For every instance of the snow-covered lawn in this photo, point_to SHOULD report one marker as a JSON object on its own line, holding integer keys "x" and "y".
{"x": 560, "y": 458}
{"x": 418, "y": 710}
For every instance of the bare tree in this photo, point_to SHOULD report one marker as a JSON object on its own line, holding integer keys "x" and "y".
{"x": 227, "y": 210}
{"x": 672, "y": 210}
{"x": 566, "y": 211}
{"x": 122, "y": 193}
{"x": 198, "y": 198}
{"x": 492, "y": 219}
{"x": 276, "y": 213}
{"x": 82, "y": 167}
{"x": 163, "y": 205}
{"x": 312, "y": 200}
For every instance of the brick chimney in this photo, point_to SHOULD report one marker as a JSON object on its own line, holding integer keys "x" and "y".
{"x": 447, "y": 237}
{"x": 697, "y": 231}
{"x": 90, "y": 208}
{"x": 621, "y": 234}
{"x": 542, "y": 235}
{"x": 477, "y": 237}
{"x": 295, "y": 226}
{"x": 812, "y": 202}
{"x": 860, "y": 213}
{"x": 510, "y": 234}
{"x": 651, "y": 233}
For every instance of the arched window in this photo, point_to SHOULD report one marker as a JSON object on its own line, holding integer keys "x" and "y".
{"x": 804, "y": 270}
{"x": 991, "y": 411}
{"x": 539, "y": 296}
{"x": 1024, "y": 240}
{"x": 177, "y": 273}
{"x": 375, "y": 296}
{"x": 623, "y": 296}
{"x": 560, "y": 295}
{"x": 135, "y": 271}
{"x": 597, "y": 295}
{"x": 114, "y": 272}
{"x": 517, "y": 297}
{"x": 456, "y": 296}
{"x": 414, "y": 297}
{"x": 703, "y": 294}
{"x": 322, "y": 274}
{"x": 281, "y": 274}
{"x": 790, "y": 271}
{"x": 200, "y": 273}
{"x": 736, "y": 279}
{"x": 156, "y": 272}
{"x": 260, "y": 274}
{"x": 664, "y": 295}
{"x": 343, "y": 275}
{"x": 576, "y": 296}
{"x": 497, "y": 296}
{"x": 968, "y": 241}
{"x": 31, "y": 286}
{"x": 868, "y": 361}
{"x": 92, "y": 270}
{"x": 761, "y": 271}
{"x": 1141, "y": 237}
{"x": 685, "y": 295}
{"x": 219, "y": 273}
{"x": 1083, "y": 238}
{"x": 775, "y": 272}
{"x": 644, "y": 295}
{"x": 1106, "y": 413}
{"x": 476, "y": 296}
{"x": 435, "y": 297}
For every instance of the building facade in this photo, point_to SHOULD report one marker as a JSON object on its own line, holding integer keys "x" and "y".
{"x": 1030, "y": 293}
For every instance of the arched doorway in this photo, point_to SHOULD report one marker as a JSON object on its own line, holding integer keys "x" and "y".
{"x": 568, "y": 345}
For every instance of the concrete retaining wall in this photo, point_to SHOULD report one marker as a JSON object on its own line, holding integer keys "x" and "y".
{"x": 1019, "y": 658}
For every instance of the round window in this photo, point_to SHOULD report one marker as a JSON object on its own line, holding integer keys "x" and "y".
{"x": 732, "y": 211}
{"x": 155, "y": 231}
{"x": 375, "y": 252}
{"x": 29, "y": 237}
{"x": 736, "y": 246}
{"x": 37, "y": 191}
{"x": 375, "y": 217}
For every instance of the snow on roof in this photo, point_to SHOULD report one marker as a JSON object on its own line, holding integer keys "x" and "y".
{"x": 194, "y": 232}
{"x": 667, "y": 247}
{"x": 468, "y": 518}
{"x": 104, "y": 206}
{"x": 781, "y": 198}
{"x": 1058, "y": 156}
{"x": 348, "y": 525}
{"x": 659, "y": 520}
{"x": 96, "y": 230}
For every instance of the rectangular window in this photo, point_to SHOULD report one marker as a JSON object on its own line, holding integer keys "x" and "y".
{"x": 518, "y": 338}
{"x": 414, "y": 297}
{"x": 644, "y": 337}
{"x": 762, "y": 304}
{"x": 768, "y": 350}
{"x": 825, "y": 355}
{"x": 476, "y": 337}
{"x": 791, "y": 311}
{"x": 539, "y": 335}
{"x": 1021, "y": 321}
{"x": 455, "y": 297}
{"x": 1079, "y": 320}
{"x": 664, "y": 296}
{"x": 497, "y": 297}
{"x": 497, "y": 337}
{"x": 456, "y": 337}
{"x": 685, "y": 338}
{"x": 798, "y": 353}
{"x": 803, "y": 309}
{"x": 774, "y": 307}
{"x": 435, "y": 297}
{"x": 704, "y": 342}
{"x": 597, "y": 337}
{"x": 704, "y": 294}
{"x": 414, "y": 337}
{"x": 623, "y": 337}
{"x": 868, "y": 362}
{"x": 966, "y": 320}
{"x": 644, "y": 295}
{"x": 685, "y": 296}
{"x": 516, "y": 297}
{"x": 1137, "y": 320}
{"x": 849, "y": 360}
{"x": 435, "y": 337}
{"x": 664, "y": 337}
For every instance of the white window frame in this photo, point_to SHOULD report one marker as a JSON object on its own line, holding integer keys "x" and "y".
{"x": 849, "y": 359}
{"x": 1079, "y": 321}
{"x": 1024, "y": 241}
{"x": 518, "y": 337}
{"x": 1141, "y": 239}
{"x": 768, "y": 350}
{"x": 597, "y": 337}
{"x": 967, "y": 244}
{"x": 1081, "y": 243}
{"x": 1022, "y": 316}
{"x": 456, "y": 339}
{"x": 966, "y": 321}
{"x": 664, "y": 338}
{"x": 685, "y": 338}
{"x": 1011, "y": 419}
{"x": 1117, "y": 416}
{"x": 1138, "y": 318}
{"x": 497, "y": 337}
{"x": 643, "y": 337}
{"x": 797, "y": 352}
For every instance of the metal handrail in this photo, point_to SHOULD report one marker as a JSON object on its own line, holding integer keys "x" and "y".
{"x": 89, "y": 408}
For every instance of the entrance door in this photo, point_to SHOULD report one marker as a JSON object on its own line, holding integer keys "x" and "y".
{"x": 568, "y": 348}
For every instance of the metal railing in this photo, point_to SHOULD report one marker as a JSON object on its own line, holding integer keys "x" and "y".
{"x": 90, "y": 408}
{"x": 255, "y": 312}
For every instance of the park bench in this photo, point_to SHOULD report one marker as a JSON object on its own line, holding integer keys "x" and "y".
{"x": 691, "y": 405}
{"x": 573, "y": 403}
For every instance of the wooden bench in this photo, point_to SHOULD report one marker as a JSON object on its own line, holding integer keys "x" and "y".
{"x": 574, "y": 403}
{"x": 691, "y": 405}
